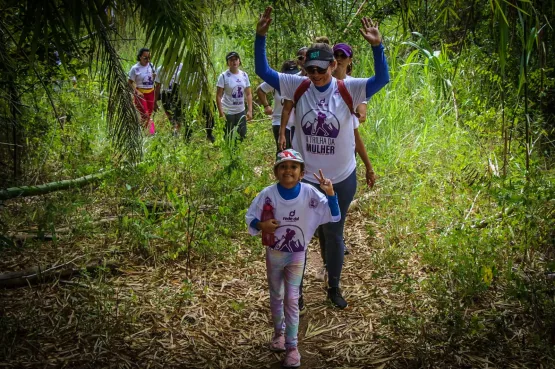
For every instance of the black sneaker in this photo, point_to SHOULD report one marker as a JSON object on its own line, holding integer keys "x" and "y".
{"x": 334, "y": 295}
{"x": 302, "y": 307}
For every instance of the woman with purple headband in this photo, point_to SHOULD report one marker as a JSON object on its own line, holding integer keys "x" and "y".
{"x": 324, "y": 128}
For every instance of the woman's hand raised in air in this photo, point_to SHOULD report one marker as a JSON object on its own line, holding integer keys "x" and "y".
{"x": 264, "y": 22}
{"x": 370, "y": 31}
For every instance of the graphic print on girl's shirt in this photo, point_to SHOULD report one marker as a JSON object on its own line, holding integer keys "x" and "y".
{"x": 298, "y": 218}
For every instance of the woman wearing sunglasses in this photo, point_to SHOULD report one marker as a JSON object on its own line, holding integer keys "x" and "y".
{"x": 343, "y": 54}
{"x": 141, "y": 80}
{"x": 324, "y": 125}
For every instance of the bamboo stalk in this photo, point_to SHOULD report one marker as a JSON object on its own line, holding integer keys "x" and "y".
{"x": 25, "y": 191}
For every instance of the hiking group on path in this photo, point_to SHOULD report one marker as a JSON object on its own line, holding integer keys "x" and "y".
{"x": 315, "y": 119}
{"x": 323, "y": 133}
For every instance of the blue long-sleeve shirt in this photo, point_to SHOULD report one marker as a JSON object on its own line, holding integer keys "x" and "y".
{"x": 271, "y": 77}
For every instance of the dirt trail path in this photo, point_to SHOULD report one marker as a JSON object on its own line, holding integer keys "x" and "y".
{"x": 155, "y": 317}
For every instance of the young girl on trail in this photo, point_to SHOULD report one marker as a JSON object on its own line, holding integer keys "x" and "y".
{"x": 141, "y": 80}
{"x": 298, "y": 209}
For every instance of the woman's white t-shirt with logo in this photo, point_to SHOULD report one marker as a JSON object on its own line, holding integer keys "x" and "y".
{"x": 278, "y": 105}
{"x": 234, "y": 85}
{"x": 298, "y": 218}
{"x": 324, "y": 133}
{"x": 142, "y": 75}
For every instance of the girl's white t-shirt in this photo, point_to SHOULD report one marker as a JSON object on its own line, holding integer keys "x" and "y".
{"x": 278, "y": 105}
{"x": 234, "y": 85}
{"x": 298, "y": 218}
{"x": 324, "y": 126}
{"x": 142, "y": 75}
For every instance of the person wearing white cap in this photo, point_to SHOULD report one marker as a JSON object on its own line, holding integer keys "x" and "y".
{"x": 298, "y": 209}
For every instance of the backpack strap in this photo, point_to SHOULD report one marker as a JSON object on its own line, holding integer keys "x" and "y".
{"x": 346, "y": 97}
{"x": 300, "y": 91}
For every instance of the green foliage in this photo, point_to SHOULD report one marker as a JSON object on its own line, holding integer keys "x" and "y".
{"x": 463, "y": 211}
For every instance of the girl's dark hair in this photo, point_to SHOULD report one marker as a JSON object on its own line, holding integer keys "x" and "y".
{"x": 141, "y": 51}
{"x": 349, "y": 69}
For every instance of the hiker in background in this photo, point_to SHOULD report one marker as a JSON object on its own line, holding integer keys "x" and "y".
{"x": 232, "y": 87}
{"x": 287, "y": 107}
{"x": 168, "y": 93}
{"x": 288, "y": 213}
{"x": 322, "y": 40}
{"x": 301, "y": 54}
{"x": 207, "y": 112}
{"x": 141, "y": 80}
{"x": 288, "y": 67}
{"x": 324, "y": 126}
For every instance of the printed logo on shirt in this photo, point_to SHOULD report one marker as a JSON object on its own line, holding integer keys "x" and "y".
{"x": 148, "y": 81}
{"x": 321, "y": 128}
{"x": 313, "y": 203}
{"x": 291, "y": 217}
{"x": 237, "y": 92}
{"x": 292, "y": 240}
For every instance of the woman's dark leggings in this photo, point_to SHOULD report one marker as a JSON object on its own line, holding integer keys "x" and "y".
{"x": 236, "y": 120}
{"x": 275, "y": 130}
{"x": 331, "y": 234}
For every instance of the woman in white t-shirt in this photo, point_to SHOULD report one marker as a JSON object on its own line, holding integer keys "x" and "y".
{"x": 232, "y": 87}
{"x": 324, "y": 126}
{"x": 141, "y": 80}
{"x": 288, "y": 67}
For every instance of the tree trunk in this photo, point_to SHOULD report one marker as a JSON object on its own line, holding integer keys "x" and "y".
{"x": 24, "y": 191}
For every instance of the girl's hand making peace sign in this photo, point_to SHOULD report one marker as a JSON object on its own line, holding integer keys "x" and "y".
{"x": 325, "y": 183}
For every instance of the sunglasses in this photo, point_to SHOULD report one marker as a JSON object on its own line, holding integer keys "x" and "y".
{"x": 300, "y": 57}
{"x": 340, "y": 56}
{"x": 314, "y": 70}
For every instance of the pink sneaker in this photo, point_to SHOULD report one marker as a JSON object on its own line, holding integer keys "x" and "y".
{"x": 292, "y": 358}
{"x": 278, "y": 343}
{"x": 151, "y": 128}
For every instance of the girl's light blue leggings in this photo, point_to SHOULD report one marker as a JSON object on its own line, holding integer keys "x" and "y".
{"x": 285, "y": 272}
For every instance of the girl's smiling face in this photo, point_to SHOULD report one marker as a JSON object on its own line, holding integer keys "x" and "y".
{"x": 289, "y": 173}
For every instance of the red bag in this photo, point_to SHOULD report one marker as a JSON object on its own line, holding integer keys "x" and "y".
{"x": 267, "y": 214}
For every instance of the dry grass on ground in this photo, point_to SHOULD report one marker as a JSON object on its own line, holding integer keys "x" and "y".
{"x": 154, "y": 316}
